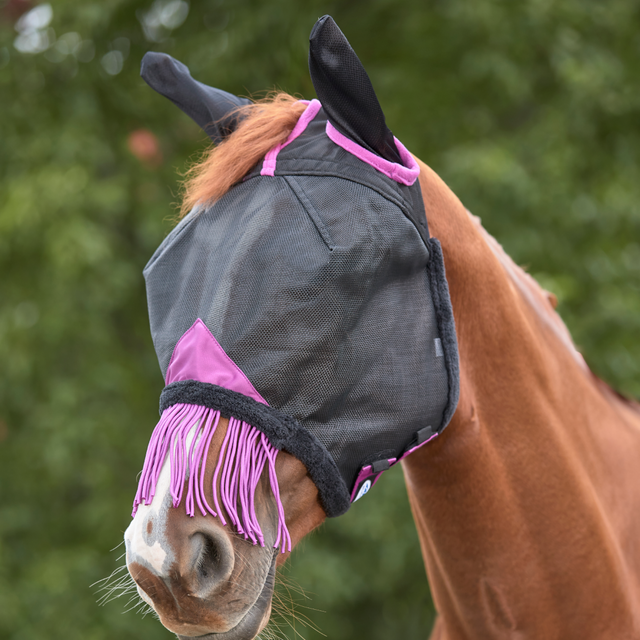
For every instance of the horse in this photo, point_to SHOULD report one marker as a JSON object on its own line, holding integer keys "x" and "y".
{"x": 525, "y": 505}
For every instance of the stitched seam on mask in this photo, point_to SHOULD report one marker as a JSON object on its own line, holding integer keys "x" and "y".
{"x": 310, "y": 209}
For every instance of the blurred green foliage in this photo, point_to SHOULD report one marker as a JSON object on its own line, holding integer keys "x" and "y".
{"x": 529, "y": 110}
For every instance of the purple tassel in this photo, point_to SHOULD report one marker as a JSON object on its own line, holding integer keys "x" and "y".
{"x": 184, "y": 433}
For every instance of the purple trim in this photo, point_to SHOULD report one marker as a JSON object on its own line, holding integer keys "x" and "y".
{"x": 199, "y": 356}
{"x": 269, "y": 164}
{"x": 367, "y": 473}
{"x": 405, "y": 174}
{"x": 406, "y": 453}
{"x": 242, "y": 458}
{"x": 391, "y": 461}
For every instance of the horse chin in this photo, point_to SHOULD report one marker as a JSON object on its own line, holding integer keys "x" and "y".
{"x": 254, "y": 621}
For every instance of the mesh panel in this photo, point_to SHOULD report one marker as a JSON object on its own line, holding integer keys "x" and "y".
{"x": 316, "y": 286}
{"x": 343, "y": 86}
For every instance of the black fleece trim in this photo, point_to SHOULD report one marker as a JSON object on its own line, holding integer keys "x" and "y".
{"x": 283, "y": 432}
{"x": 446, "y": 326}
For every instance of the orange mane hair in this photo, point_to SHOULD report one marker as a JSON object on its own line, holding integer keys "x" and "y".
{"x": 265, "y": 124}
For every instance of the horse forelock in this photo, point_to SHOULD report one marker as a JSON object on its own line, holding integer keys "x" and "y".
{"x": 264, "y": 124}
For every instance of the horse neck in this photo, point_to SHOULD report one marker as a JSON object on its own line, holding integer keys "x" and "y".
{"x": 518, "y": 502}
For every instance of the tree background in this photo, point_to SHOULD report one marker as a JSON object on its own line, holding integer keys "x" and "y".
{"x": 528, "y": 110}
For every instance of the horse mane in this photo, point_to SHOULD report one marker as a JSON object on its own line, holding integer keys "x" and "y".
{"x": 264, "y": 124}
{"x": 544, "y": 303}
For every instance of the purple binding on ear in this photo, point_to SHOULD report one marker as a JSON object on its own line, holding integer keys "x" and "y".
{"x": 406, "y": 174}
{"x": 269, "y": 164}
{"x": 185, "y": 432}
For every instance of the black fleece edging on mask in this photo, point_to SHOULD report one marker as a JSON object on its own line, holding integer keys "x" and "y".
{"x": 446, "y": 326}
{"x": 284, "y": 433}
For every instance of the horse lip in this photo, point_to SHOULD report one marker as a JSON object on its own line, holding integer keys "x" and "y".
{"x": 251, "y": 619}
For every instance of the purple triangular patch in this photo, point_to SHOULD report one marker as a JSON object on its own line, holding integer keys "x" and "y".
{"x": 198, "y": 356}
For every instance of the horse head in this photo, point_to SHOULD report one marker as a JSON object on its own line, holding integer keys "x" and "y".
{"x": 303, "y": 323}
{"x": 202, "y": 577}
{"x": 299, "y": 311}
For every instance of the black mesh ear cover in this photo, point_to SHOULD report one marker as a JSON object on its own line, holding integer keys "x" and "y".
{"x": 345, "y": 91}
{"x": 212, "y": 109}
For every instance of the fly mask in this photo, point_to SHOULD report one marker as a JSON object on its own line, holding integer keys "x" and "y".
{"x": 309, "y": 304}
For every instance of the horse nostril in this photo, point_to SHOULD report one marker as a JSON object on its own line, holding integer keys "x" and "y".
{"x": 209, "y": 559}
{"x": 212, "y": 563}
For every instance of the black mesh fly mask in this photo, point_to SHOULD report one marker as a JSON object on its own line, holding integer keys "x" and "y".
{"x": 308, "y": 305}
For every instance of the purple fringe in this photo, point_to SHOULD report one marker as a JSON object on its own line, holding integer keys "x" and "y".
{"x": 242, "y": 458}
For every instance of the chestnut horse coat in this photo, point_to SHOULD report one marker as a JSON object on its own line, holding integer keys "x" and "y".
{"x": 528, "y": 505}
